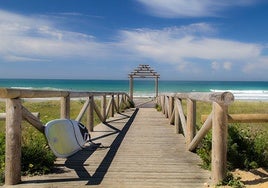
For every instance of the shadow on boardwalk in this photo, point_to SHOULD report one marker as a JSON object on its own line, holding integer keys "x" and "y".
{"x": 137, "y": 148}
{"x": 77, "y": 161}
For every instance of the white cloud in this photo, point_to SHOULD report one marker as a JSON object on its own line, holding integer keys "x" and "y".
{"x": 191, "y": 8}
{"x": 227, "y": 65}
{"x": 26, "y": 38}
{"x": 215, "y": 65}
{"x": 182, "y": 66}
{"x": 220, "y": 66}
{"x": 12, "y": 58}
{"x": 168, "y": 45}
{"x": 194, "y": 53}
{"x": 259, "y": 66}
{"x": 189, "y": 48}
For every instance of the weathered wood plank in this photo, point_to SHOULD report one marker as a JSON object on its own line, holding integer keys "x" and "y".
{"x": 243, "y": 118}
{"x": 138, "y": 149}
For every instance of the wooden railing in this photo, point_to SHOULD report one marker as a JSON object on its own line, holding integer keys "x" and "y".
{"x": 16, "y": 112}
{"x": 217, "y": 120}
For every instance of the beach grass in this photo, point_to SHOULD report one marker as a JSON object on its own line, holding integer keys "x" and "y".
{"x": 247, "y": 142}
{"x": 49, "y": 110}
{"x": 238, "y": 107}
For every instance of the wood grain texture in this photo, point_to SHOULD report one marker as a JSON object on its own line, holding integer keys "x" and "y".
{"x": 138, "y": 149}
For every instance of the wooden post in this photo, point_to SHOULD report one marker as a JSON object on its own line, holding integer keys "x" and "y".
{"x": 171, "y": 106}
{"x": 65, "y": 107}
{"x": 163, "y": 103}
{"x": 90, "y": 114}
{"x": 112, "y": 107}
{"x": 156, "y": 87}
{"x": 219, "y": 141}
{"x": 103, "y": 107}
{"x": 166, "y": 106}
{"x": 131, "y": 87}
{"x": 13, "y": 141}
{"x": 191, "y": 121}
{"x": 182, "y": 128}
{"x": 118, "y": 102}
{"x": 177, "y": 121}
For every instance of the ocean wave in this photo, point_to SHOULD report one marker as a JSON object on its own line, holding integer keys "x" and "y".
{"x": 144, "y": 95}
{"x": 247, "y": 94}
{"x": 22, "y": 88}
{"x": 37, "y": 88}
{"x": 261, "y": 95}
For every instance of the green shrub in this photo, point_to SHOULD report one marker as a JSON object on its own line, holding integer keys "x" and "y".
{"x": 37, "y": 158}
{"x": 158, "y": 107}
{"x": 127, "y": 104}
{"x": 246, "y": 149}
{"x": 131, "y": 104}
{"x": 231, "y": 181}
{"x": 204, "y": 151}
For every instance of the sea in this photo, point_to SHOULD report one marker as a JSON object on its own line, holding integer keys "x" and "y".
{"x": 242, "y": 90}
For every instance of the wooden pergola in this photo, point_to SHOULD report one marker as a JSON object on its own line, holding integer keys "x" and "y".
{"x": 143, "y": 71}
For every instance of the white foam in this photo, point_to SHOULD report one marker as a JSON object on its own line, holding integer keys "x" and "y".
{"x": 247, "y": 94}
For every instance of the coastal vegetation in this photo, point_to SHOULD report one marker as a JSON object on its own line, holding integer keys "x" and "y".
{"x": 247, "y": 142}
{"x": 247, "y": 146}
{"x": 37, "y": 158}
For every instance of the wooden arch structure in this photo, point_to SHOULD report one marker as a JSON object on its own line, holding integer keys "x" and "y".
{"x": 143, "y": 71}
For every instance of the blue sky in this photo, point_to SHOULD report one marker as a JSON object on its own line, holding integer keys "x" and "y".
{"x": 107, "y": 39}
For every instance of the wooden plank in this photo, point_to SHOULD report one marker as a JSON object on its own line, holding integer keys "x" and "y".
{"x": 201, "y": 133}
{"x": 155, "y": 155}
{"x": 3, "y": 115}
{"x": 33, "y": 120}
{"x": 222, "y": 97}
{"x": 181, "y": 115}
{"x": 191, "y": 121}
{"x": 28, "y": 93}
{"x": 138, "y": 149}
{"x": 243, "y": 118}
{"x": 83, "y": 110}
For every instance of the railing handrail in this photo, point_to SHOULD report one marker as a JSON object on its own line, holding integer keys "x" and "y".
{"x": 35, "y": 93}
{"x": 217, "y": 120}
{"x": 16, "y": 112}
{"x": 220, "y": 97}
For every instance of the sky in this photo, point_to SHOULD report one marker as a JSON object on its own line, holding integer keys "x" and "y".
{"x": 107, "y": 39}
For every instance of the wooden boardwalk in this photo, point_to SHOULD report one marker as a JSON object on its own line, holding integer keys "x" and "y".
{"x": 138, "y": 148}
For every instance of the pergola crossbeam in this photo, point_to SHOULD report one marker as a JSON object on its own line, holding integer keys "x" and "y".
{"x": 143, "y": 71}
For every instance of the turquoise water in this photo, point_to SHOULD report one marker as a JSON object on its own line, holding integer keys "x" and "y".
{"x": 242, "y": 90}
